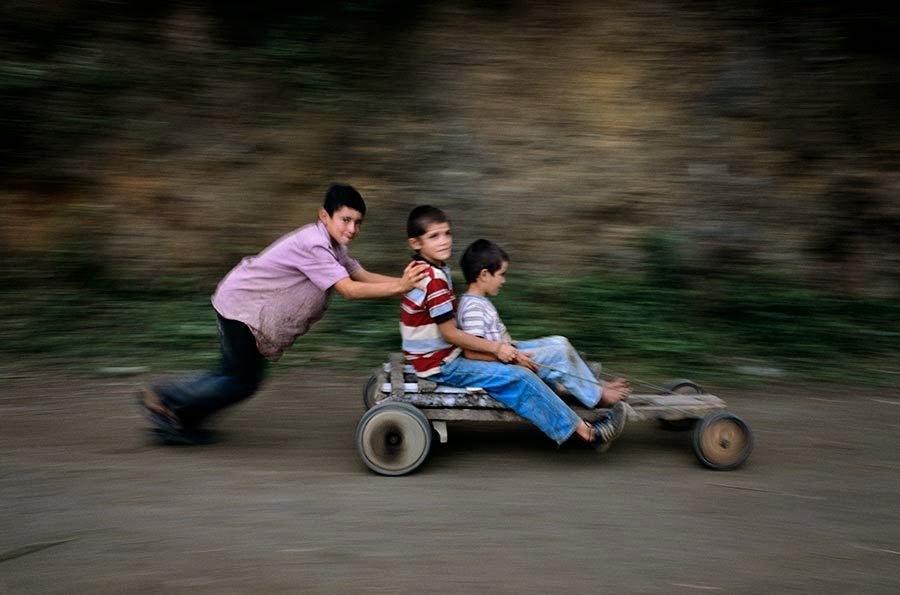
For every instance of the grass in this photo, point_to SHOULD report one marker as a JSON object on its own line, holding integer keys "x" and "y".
{"x": 725, "y": 330}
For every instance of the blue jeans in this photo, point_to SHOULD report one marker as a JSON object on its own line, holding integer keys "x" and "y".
{"x": 238, "y": 375}
{"x": 561, "y": 364}
{"x": 517, "y": 388}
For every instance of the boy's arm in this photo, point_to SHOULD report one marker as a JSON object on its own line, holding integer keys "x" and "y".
{"x": 521, "y": 358}
{"x": 362, "y": 284}
{"x": 364, "y": 276}
{"x": 505, "y": 352}
{"x": 479, "y": 355}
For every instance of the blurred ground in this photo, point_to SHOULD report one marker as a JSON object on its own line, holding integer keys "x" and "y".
{"x": 284, "y": 505}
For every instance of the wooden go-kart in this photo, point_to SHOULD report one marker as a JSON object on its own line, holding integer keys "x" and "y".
{"x": 403, "y": 411}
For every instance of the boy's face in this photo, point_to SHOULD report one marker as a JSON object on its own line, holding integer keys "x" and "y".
{"x": 343, "y": 225}
{"x": 492, "y": 282}
{"x": 435, "y": 245}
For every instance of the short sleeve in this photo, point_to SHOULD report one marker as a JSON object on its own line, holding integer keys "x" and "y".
{"x": 321, "y": 266}
{"x": 439, "y": 300}
{"x": 471, "y": 318}
{"x": 351, "y": 265}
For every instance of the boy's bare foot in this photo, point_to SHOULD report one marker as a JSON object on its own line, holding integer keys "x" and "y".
{"x": 615, "y": 391}
{"x": 585, "y": 431}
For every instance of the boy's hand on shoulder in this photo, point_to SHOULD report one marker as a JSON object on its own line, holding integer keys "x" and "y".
{"x": 413, "y": 275}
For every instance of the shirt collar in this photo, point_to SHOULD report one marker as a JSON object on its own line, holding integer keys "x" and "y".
{"x": 420, "y": 258}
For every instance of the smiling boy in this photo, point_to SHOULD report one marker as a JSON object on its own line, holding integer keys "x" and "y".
{"x": 433, "y": 344}
{"x": 264, "y": 304}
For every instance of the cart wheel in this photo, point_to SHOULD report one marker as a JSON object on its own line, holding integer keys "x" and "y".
{"x": 722, "y": 441}
{"x": 682, "y": 386}
{"x": 393, "y": 438}
{"x": 372, "y": 389}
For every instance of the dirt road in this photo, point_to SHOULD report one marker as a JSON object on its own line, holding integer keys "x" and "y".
{"x": 284, "y": 505}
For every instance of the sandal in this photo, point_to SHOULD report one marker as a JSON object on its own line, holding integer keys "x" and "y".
{"x": 167, "y": 428}
{"x": 152, "y": 408}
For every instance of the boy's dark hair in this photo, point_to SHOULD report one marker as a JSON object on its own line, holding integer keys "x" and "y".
{"x": 480, "y": 255}
{"x": 340, "y": 195}
{"x": 421, "y": 217}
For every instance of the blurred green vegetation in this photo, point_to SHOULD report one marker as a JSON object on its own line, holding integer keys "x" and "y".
{"x": 725, "y": 328}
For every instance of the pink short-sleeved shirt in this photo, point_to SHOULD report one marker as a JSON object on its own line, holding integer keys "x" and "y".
{"x": 283, "y": 290}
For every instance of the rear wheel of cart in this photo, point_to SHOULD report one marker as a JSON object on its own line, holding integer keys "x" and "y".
{"x": 393, "y": 438}
{"x": 722, "y": 441}
{"x": 682, "y": 386}
{"x": 372, "y": 390}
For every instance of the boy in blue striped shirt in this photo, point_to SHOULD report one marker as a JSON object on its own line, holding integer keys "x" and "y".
{"x": 553, "y": 359}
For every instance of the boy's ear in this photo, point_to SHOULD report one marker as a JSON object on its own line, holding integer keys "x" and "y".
{"x": 482, "y": 274}
{"x": 414, "y": 243}
{"x": 323, "y": 214}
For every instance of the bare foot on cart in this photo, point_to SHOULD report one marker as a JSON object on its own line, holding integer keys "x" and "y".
{"x": 614, "y": 391}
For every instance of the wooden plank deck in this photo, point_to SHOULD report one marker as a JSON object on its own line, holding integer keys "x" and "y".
{"x": 447, "y": 403}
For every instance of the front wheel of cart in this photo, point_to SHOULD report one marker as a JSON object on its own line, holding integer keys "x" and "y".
{"x": 393, "y": 438}
{"x": 722, "y": 441}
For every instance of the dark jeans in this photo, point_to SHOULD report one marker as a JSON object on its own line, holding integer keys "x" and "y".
{"x": 237, "y": 377}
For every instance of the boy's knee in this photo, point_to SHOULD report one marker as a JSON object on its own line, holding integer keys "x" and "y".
{"x": 249, "y": 374}
{"x": 563, "y": 344}
{"x": 250, "y": 383}
{"x": 560, "y": 340}
{"x": 245, "y": 382}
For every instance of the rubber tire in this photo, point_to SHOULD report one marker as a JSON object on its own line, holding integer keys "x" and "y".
{"x": 722, "y": 441}
{"x": 681, "y": 386}
{"x": 372, "y": 389}
{"x": 393, "y": 438}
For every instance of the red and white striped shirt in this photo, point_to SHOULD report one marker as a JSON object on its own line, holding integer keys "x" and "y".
{"x": 430, "y": 303}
